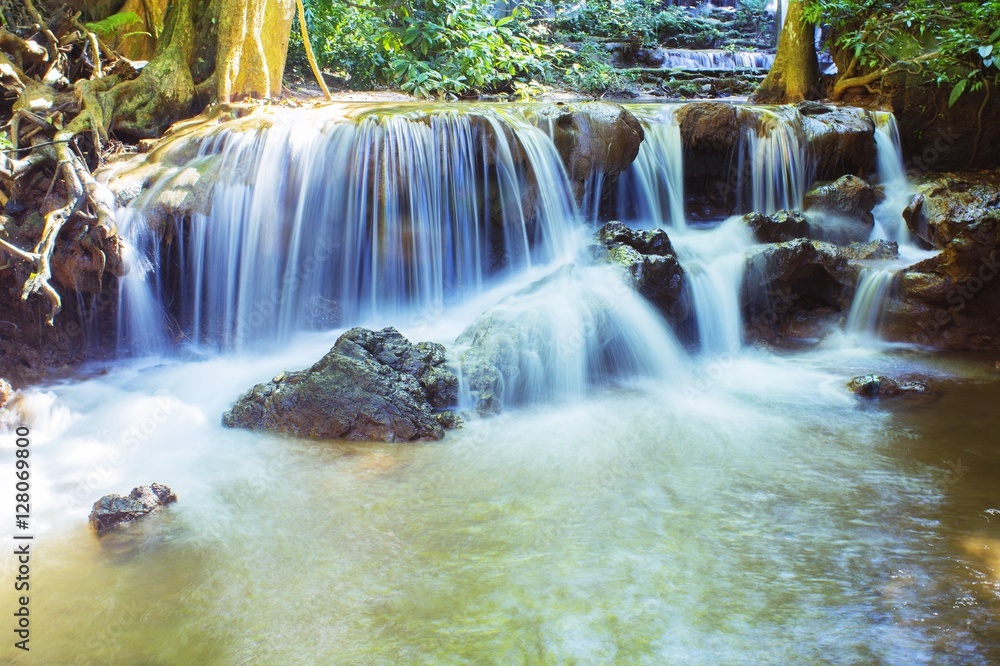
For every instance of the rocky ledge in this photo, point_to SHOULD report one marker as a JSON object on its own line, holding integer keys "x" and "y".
{"x": 112, "y": 511}
{"x": 372, "y": 385}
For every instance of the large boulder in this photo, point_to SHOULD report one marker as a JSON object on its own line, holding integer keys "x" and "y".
{"x": 848, "y": 197}
{"x": 951, "y": 300}
{"x": 795, "y": 289}
{"x": 373, "y": 385}
{"x": 649, "y": 263}
{"x": 112, "y": 511}
{"x": 594, "y": 139}
{"x": 841, "y": 140}
{"x": 782, "y": 226}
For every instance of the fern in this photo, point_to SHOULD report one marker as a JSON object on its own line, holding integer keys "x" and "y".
{"x": 114, "y": 23}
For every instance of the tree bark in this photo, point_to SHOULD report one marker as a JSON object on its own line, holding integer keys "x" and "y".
{"x": 253, "y": 43}
{"x": 795, "y": 73}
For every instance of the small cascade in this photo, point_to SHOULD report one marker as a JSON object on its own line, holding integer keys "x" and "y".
{"x": 556, "y": 339}
{"x": 711, "y": 59}
{"x": 889, "y": 222}
{"x": 317, "y": 221}
{"x": 864, "y": 322}
{"x": 714, "y": 262}
{"x": 652, "y": 190}
{"x": 772, "y": 167}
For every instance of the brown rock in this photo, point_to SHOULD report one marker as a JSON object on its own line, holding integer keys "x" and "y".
{"x": 848, "y": 196}
{"x": 112, "y": 511}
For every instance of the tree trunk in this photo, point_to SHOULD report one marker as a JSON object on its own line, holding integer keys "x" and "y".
{"x": 245, "y": 40}
{"x": 253, "y": 43}
{"x": 795, "y": 72}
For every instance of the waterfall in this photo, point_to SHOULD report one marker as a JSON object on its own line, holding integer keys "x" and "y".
{"x": 772, "y": 169}
{"x": 714, "y": 262}
{"x": 711, "y": 59}
{"x": 652, "y": 189}
{"x": 889, "y": 222}
{"x": 316, "y": 221}
{"x": 864, "y": 321}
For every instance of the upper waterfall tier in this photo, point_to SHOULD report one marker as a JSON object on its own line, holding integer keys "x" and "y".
{"x": 249, "y": 224}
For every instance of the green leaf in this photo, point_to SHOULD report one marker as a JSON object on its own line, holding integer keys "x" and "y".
{"x": 957, "y": 91}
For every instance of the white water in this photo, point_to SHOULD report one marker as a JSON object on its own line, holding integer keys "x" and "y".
{"x": 385, "y": 215}
{"x": 713, "y": 59}
{"x": 865, "y": 318}
{"x": 652, "y": 189}
{"x": 637, "y": 507}
{"x": 773, "y": 172}
{"x": 714, "y": 262}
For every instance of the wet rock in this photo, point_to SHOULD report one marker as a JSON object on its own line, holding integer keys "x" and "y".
{"x": 650, "y": 264}
{"x": 113, "y": 511}
{"x": 373, "y": 385}
{"x": 848, "y": 196}
{"x": 876, "y": 249}
{"x": 841, "y": 140}
{"x": 952, "y": 300}
{"x": 778, "y": 228}
{"x": 880, "y": 386}
{"x": 795, "y": 286}
{"x": 710, "y": 127}
{"x": 593, "y": 139}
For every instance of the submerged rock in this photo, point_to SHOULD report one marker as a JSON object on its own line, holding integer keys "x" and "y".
{"x": 848, "y": 196}
{"x": 880, "y": 386}
{"x": 778, "y": 228}
{"x": 650, "y": 265}
{"x": 373, "y": 385}
{"x": 113, "y": 511}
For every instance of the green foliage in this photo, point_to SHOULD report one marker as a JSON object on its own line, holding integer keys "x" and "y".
{"x": 454, "y": 47}
{"x": 954, "y": 44}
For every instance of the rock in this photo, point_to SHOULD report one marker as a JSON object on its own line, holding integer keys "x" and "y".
{"x": 710, "y": 126}
{"x": 952, "y": 300}
{"x": 795, "y": 286}
{"x": 593, "y": 139}
{"x": 778, "y": 228}
{"x": 650, "y": 264}
{"x": 6, "y": 392}
{"x": 880, "y": 386}
{"x": 841, "y": 140}
{"x": 370, "y": 386}
{"x": 113, "y": 511}
{"x": 876, "y": 249}
{"x": 848, "y": 196}
{"x": 942, "y": 137}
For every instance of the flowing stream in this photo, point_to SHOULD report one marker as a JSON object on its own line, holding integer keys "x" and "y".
{"x": 637, "y": 503}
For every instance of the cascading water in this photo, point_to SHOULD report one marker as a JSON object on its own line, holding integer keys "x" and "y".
{"x": 714, "y": 262}
{"x": 711, "y": 59}
{"x": 865, "y": 318}
{"x": 380, "y": 215}
{"x": 889, "y": 222}
{"x": 652, "y": 190}
{"x": 772, "y": 169}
